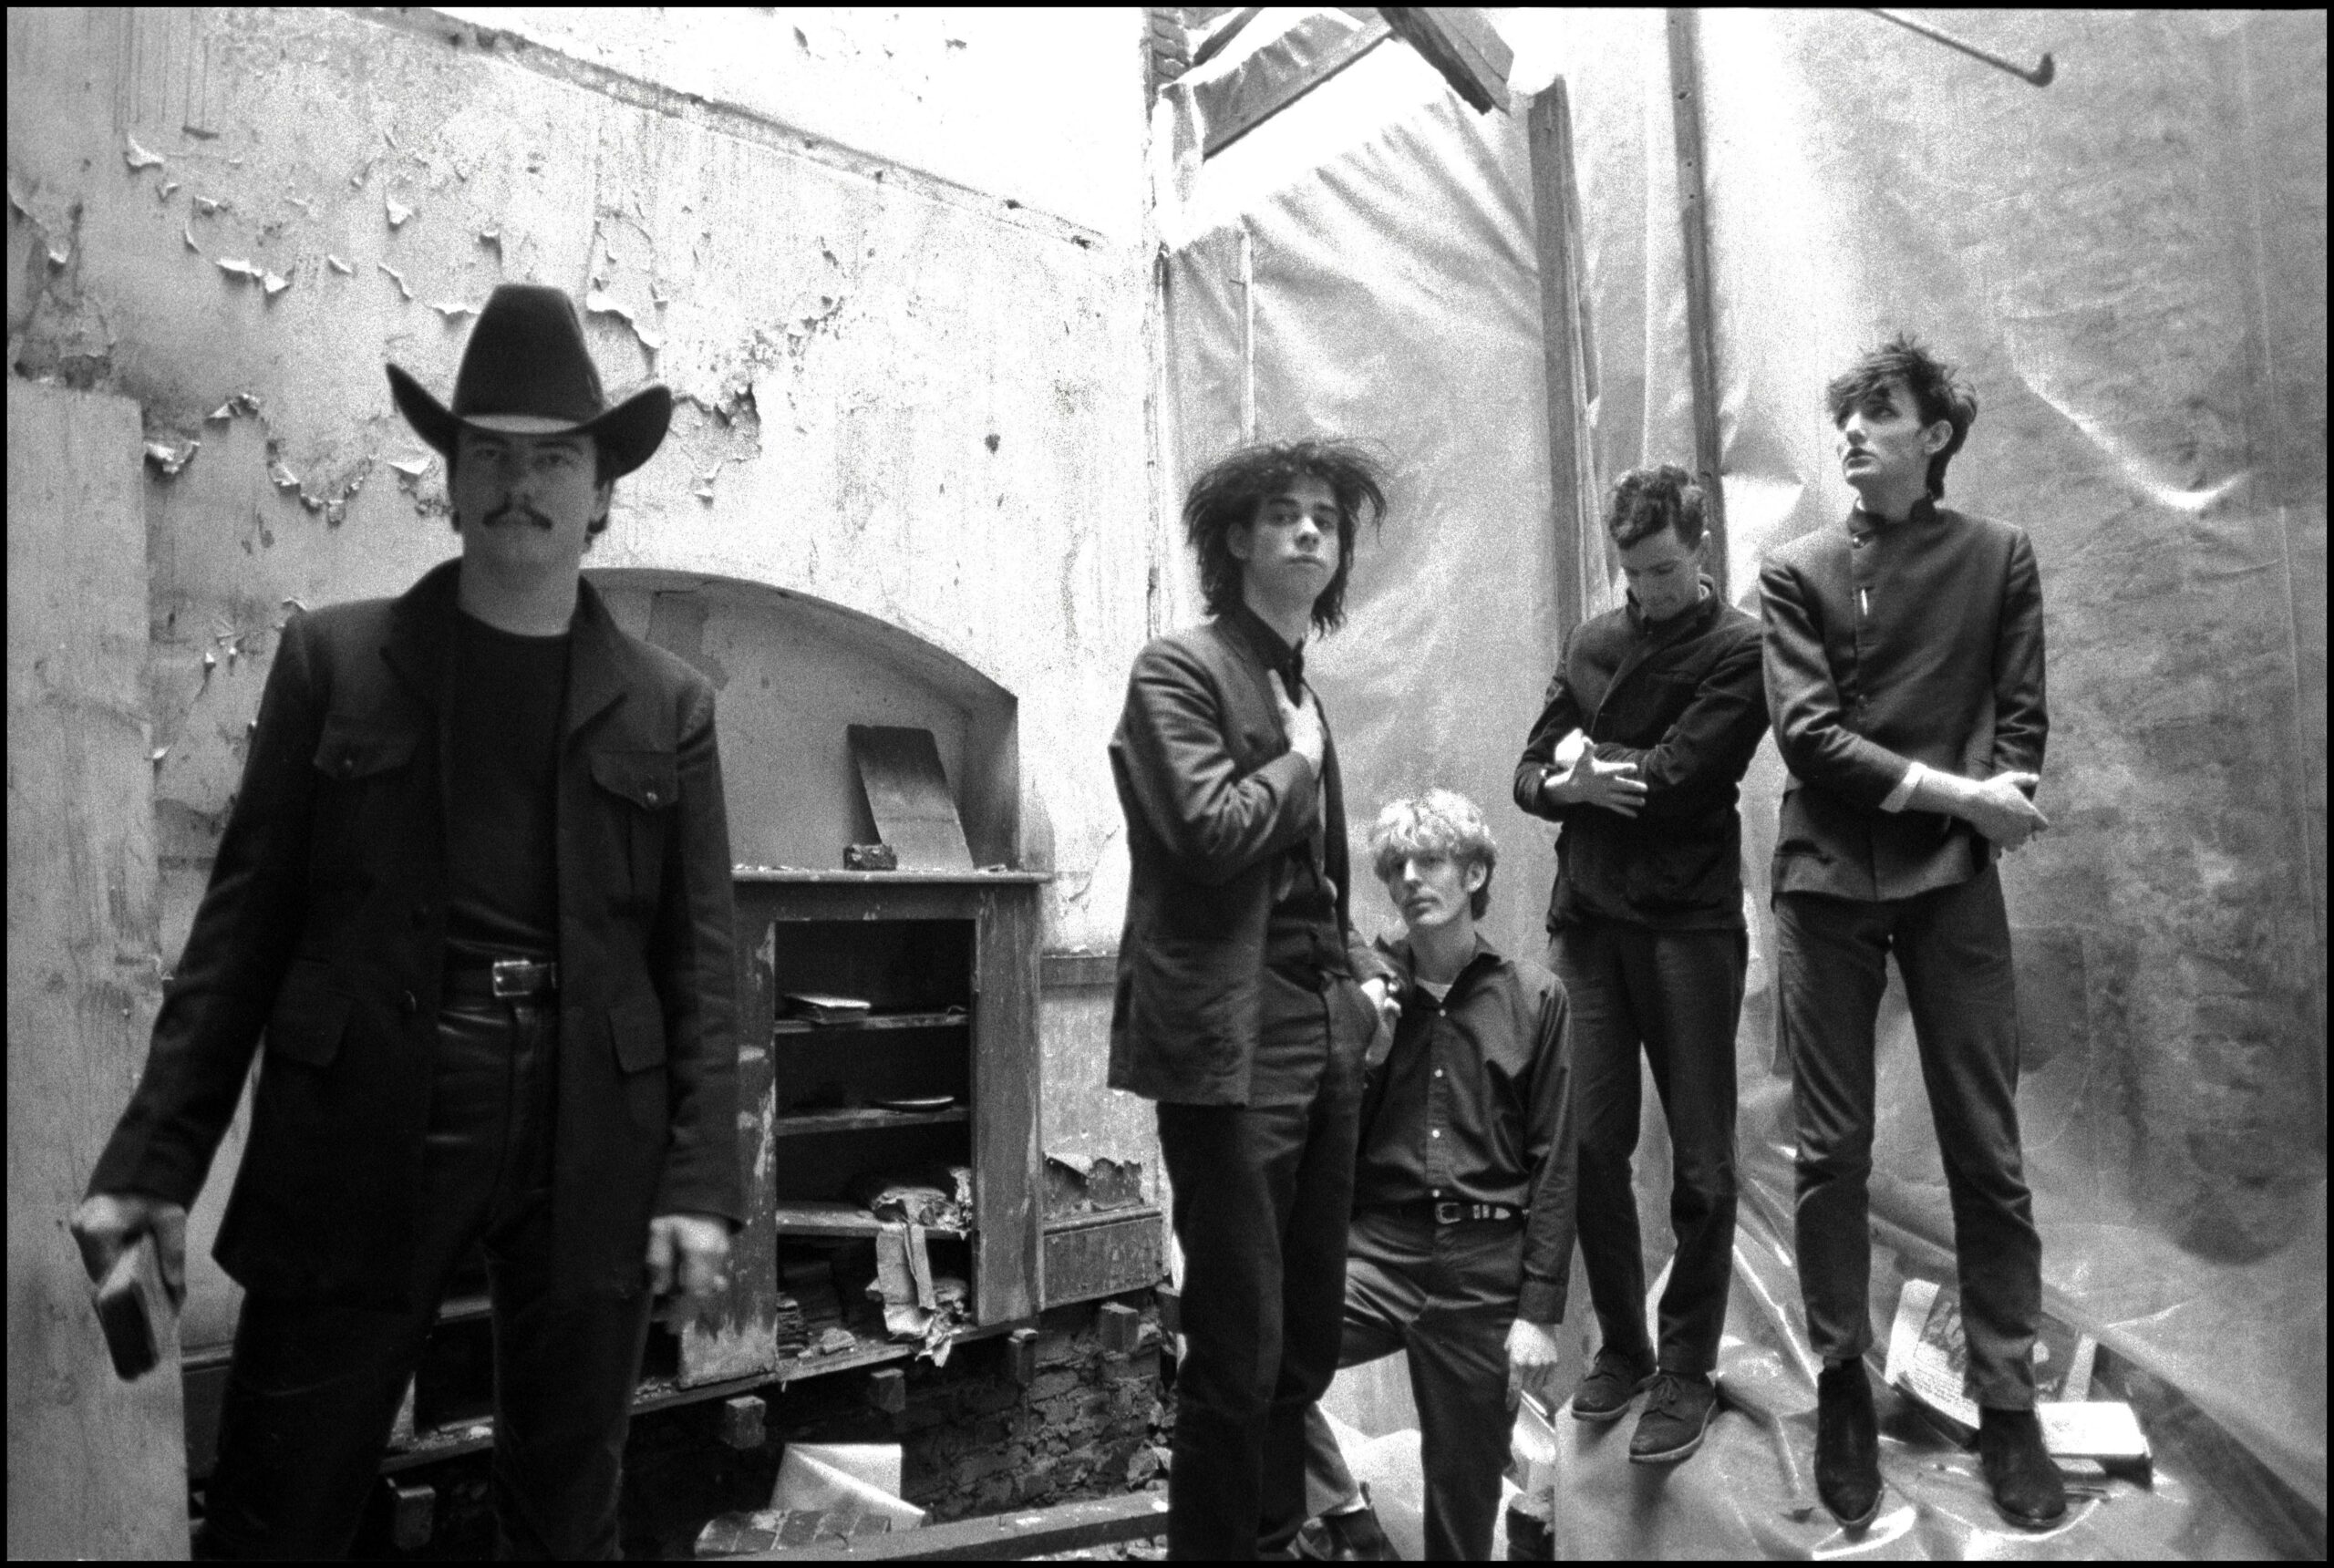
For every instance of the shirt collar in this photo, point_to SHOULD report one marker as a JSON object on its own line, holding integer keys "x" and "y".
{"x": 1693, "y": 614}
{"x": 1861, "y": 521}
{"x": 1485, "y": 955}
{"x": 1276, "y": 654}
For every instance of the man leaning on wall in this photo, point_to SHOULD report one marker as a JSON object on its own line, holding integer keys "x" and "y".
{"x": 474, "y": 892}
{"x": 1238, "y": 1007}
{"x": 1905, "y": 670}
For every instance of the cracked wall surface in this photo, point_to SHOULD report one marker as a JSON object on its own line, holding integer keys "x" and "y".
{"x": 898, "y": 391}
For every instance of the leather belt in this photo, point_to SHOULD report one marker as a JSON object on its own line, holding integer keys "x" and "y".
{"x": 1446, "y": 1211}
{"x": 503, "y": 979}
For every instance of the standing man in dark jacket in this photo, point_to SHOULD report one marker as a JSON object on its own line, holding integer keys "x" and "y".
{"x": 1237, "y": 1008}
{"x": 1904, "y": 656}
{"x": 1652, "y": 716}
{"x": 1461, "y": 1250}
{"x": 474, "y": 891}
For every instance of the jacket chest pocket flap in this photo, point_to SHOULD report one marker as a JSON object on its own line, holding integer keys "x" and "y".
{"x": 647, "y": 783}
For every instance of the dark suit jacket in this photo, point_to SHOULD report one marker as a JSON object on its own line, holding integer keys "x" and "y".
{"x": 324, "y": 929}
{"x": 1685, "y": 700}
{"x": 1212, "y": 798}
{"x": 1888, "y": 644}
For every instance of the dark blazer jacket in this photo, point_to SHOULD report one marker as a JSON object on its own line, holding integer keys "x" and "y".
{"x": 1212, "y": 798}
{"x": 323, "y": 934}
{"x": 1686, "y": 701}
{"x": 1888, "y": 644}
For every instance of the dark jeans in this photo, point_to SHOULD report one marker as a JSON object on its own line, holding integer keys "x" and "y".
{"x": 1678, "y": 994}
{"x": 1262, "y": 1195}
{"x": 315, "y": 1386}
{"x": 1952, "y": 946}
{"x": 1445, "y": 1293}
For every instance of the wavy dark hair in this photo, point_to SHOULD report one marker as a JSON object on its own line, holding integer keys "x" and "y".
{"x": 1938, "y": 393}
{"x": 1240, "y": 482}
{"x": 1646, "y": 500}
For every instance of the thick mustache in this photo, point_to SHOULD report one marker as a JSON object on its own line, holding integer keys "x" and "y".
{"x": 517, "y": 511}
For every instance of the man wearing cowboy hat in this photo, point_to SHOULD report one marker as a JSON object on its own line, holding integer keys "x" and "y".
{"x": 474, "y": 895}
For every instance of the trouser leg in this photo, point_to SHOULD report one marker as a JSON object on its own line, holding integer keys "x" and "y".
{"x": 1458, "y": 1352}
{"x": 1688, "y": 992}
{"x": 315, "y": 1386}
{"x": 1313, "y": 1287}
{"x": 1953, "y": 948}
{"x": 1831, "y": 958}
{"x": 1606, "y": 1103}
{"x": 1379, "y": 1304}
{"x": 312, "y": 1392}
{"x": 566, "y": 1364}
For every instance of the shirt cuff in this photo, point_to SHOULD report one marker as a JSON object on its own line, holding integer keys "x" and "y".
{"x": 1541, "y": 1301}
{"x": 1902, "y": 795}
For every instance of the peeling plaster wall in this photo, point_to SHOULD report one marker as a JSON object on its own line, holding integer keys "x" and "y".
{"x": 901, "y": 389}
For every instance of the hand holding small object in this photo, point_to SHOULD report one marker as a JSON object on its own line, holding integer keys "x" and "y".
{"x": 1302, "y": 721}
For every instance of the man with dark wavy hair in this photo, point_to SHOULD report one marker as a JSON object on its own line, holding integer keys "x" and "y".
{"x": 1652, "y": 717}
{"x": 1238, "y": 1010}
{"x": 1903, "y": 659}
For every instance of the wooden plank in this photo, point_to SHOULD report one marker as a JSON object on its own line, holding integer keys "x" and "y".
{"x": 811, "y": 1123}
{"x": 1460, "y": 43}
{"x": 1097, "y": 1255}
{"x": 1701, "y": 316}
{"x": 96, "y": 1468}
{"x": 1066, "y": 1527}
{"x": 1077, "y": 971}
{"x": 1007, "y": 1173}
{"x": 1564, "y": 345}
{"x": 1337, "y": 50}
{"x": 736, "y": 1334}
{"x": 872, "y": 1021}
{"x": 908, "y": 795}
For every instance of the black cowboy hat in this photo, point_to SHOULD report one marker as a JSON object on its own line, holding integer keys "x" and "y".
{"x": 525, "y": 372}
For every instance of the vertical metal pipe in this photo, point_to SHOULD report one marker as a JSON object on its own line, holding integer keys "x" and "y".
{"x": 1701, "y": 323}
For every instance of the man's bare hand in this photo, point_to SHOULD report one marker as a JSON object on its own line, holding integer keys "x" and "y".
{"x": 1999, "y": 809}
{"x": 1302, "y": 721}
{"x": 109, "y": 1224}
{"x": 689, "y": 1250}
{"x": 1612, "y": 786}
{"x": 1532, "y": 1358}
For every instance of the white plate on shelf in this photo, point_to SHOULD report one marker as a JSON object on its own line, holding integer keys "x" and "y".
{"x": 925, "y": 1103}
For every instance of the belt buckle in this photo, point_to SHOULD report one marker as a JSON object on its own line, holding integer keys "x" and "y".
{"x": 518, "y": 978}
{"x": 1448, "y": 1214}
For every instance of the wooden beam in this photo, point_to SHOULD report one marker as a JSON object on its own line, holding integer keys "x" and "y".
{"x": 1572, "y": 479}
{"x": 1067, "y": 1527}
{"x": 97, "y": 1467}
{"x": 1459, "y": 42}
{"x": 1701, "y": 323}
{"x": 1344, "y": 52}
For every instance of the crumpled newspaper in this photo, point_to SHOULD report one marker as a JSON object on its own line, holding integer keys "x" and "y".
{"x": 935, "y": 1195}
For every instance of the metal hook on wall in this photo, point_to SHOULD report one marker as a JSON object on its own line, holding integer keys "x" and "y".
{"x": 2039, "y": 75}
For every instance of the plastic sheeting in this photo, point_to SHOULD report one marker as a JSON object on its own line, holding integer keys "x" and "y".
{"x": 2130, "y": 267}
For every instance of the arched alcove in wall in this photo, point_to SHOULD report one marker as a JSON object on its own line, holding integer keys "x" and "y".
{"x": 792, "y": 673}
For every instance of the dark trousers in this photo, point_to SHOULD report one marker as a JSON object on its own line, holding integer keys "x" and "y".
{"x": 1952, "y": 946}
{"x": 313, "y": 1386}
{"x": 1678, "y": 994}
{"x": 1262, "y": 1195}
{"x": 1446, "y": 1294}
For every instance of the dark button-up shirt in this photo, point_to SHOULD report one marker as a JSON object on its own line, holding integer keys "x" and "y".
{"x": 1302, "y": 935}
{"x": 1473, "y": 1105}
{"x": 1685, "y": 701}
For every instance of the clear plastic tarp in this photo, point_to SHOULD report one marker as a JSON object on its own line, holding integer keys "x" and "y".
{"x": 2130, "y": 266}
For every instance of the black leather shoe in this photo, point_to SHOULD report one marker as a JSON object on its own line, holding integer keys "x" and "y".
{"x": 1847, "y": 1445}
{"x": 1676, "y": 1418}
{"x": 2028, "y": 1488}
{"x": 1351, "y": 1537}
{"x": 1611, "y": 1381}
